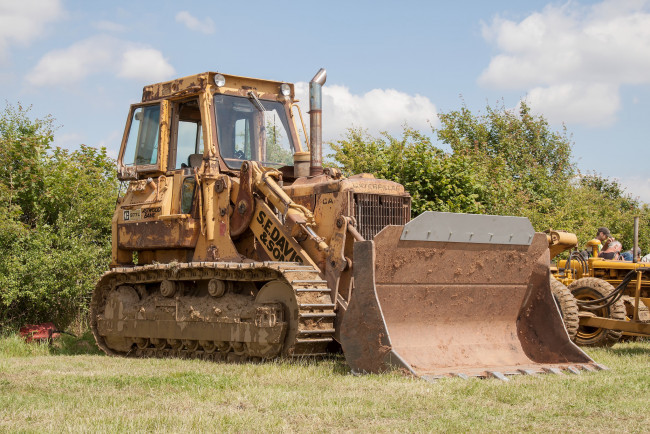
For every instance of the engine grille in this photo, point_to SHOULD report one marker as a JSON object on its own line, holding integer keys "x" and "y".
{"x": 373, "y": 212}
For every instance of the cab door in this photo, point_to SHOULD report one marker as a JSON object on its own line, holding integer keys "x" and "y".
{"x": 159, "y": 213}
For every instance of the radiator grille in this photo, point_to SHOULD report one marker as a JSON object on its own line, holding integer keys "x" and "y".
{"x": 373, "y": 212}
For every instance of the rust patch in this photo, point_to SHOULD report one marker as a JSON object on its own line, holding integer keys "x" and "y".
{"x": 158, "y": 234}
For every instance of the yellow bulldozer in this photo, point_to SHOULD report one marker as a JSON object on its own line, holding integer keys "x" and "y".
{"x": 601, "y": 300}
{"x": 232, "y": 242}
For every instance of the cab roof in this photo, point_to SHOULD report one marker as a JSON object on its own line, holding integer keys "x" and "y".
{"x": 197, "y": 83}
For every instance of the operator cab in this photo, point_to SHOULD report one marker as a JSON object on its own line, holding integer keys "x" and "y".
{"x": 210, "y": 116}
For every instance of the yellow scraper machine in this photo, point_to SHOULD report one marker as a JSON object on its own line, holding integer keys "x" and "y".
{"x": 602, "y": 301}
{"x": 233, "y": 243}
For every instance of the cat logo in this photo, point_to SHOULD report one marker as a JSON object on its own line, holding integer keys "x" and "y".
{"x": 130, "y": 215}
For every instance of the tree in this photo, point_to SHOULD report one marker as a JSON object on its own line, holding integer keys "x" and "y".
{"x": 55, "y": 215}
{"x": 517, "y": 144}
{"x": 23, "y": 142}
{"x": 436, "y": 180}
{"x": 503, "y": 162}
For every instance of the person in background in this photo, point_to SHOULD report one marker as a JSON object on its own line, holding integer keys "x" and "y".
{"x": 629, "y": 256}
{"x": 611, "y": 248}
{"x": 604, "y": 236}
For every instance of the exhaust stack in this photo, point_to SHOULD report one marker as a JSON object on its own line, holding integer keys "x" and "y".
{"x": 315, "y": 122}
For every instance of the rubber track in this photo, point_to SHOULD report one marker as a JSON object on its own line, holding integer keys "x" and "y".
{"x": 316, "y": 320}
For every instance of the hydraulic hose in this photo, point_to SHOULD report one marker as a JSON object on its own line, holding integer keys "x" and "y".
{"x": 614, "y": 296}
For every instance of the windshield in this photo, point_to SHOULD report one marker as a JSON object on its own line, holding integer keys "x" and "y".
{"x": 253, "y": 129}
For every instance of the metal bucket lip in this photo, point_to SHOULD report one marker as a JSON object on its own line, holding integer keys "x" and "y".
{"x": 469, "y": 228}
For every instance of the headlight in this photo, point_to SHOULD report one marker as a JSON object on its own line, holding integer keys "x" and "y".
{"x": 219, "y": 80}
{"x": 285, "y": 89}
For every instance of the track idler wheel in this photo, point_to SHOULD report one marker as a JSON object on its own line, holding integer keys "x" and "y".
{"x": 280, "y": 292}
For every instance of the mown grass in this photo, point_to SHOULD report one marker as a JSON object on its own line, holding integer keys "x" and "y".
{"x": 42, "y": 389}
{"x": 65, "y": 345}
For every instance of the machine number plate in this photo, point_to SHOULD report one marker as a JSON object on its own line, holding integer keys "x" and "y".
{"x": 139, "y": 214}
{"x": 132, "y": 214}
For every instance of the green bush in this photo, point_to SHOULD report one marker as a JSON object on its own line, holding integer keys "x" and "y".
{"x": 55, "y": 212}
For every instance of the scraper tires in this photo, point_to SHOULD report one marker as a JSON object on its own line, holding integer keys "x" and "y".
{"x": 568, "y": 307}
{"x": 591, "y": 288}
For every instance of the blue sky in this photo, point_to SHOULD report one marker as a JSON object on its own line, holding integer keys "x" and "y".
{"x": 582, "y": 64}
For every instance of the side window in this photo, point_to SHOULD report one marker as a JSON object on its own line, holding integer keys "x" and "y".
{"x": 189, "y": 133}
{"x": 189, "y": 141}
{"x": 278, "y": 146}
{"x": 242, "y": 139}
{"x": 142, "y": 142}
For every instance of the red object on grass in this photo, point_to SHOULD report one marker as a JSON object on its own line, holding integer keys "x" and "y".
{"x": 39, "y": 332}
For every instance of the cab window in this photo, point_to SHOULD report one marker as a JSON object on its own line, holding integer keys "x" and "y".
{"x": 253, "y": 129}
{"x": 189, "y": 133}
{"x": 142, "y": 141}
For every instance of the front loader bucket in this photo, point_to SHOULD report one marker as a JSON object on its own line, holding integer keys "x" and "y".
{"x": 456, "y": 295}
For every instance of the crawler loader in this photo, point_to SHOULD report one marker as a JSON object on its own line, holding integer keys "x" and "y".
{"x": 232, "y": 242}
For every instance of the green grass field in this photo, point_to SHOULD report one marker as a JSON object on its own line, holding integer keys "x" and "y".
{"x": 73, "y": 388}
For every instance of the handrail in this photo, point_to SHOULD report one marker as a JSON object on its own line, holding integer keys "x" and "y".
{"x": 304, "y": 130}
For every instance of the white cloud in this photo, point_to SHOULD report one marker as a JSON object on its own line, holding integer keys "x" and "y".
{"x": 109, "y": 26}
{"x": 572, "y": 59}
{"x": 100, "y": 54}
{"x": 68, "y": 140}
{"x": 23, "y": 21}
{"x": 592, "y": 104}
{"x": 377, "y": 110}
{"x": 191, "y": 22}
{"x": 145, "y": 64}
{"x": 637, "y": 186}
